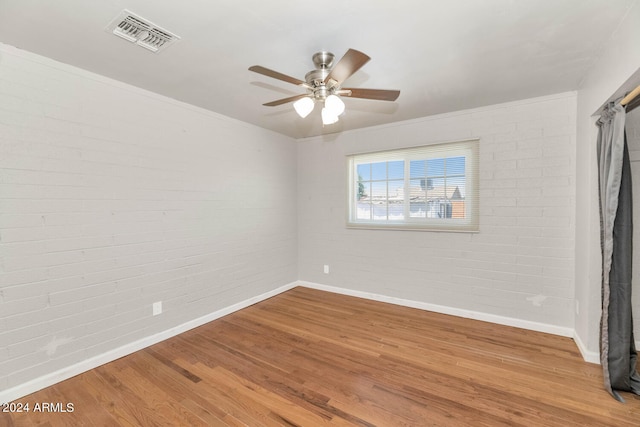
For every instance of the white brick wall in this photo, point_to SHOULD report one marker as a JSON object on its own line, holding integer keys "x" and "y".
{"x": 520, "y": 265}
{"x": 112, "y": 198}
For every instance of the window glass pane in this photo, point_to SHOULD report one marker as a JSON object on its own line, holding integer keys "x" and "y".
{"x": 438, "y": 203}
{"x": 363, "y": 210}
{"x": 396, "y": 169}
{"x": 417, "y": 188}
{"x": 379, "y": 211}
{"x": 364, "y": 171}
{"x": 379, "y": 170}
{"x": 456, "y": 187}
{"x": 435, "y": 167}
{"x": 435, "y": 188}
{"x": 363, "y": 191}
{"x": 444, "y": 209}
{"x": 396, "y": 211}
{"x": 418, "y": 209}
{"x": 396, "y": 191}
{"x": 438, "y": 208}
{"x": 427, "y": 183}
{"x": 458, "y": 201}
{"x": 417, "y": 168}
{"x": 379, "y": 192}
{"x": 455, "y": 165}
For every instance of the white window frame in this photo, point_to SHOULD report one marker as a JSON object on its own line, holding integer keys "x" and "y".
{"x": 467, "y": 148}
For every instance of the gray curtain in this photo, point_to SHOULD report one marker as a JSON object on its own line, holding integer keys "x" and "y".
{"x": 617, "y": 348}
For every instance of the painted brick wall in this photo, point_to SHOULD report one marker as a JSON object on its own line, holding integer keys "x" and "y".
{"x": 112, "y": 198}
{"x": 521, "y": 263}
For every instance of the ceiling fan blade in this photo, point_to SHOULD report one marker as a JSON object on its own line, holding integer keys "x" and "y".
{"x": 351, "y": 62}
{"x": 377, "y": 94}
{"x": 276, "y": 75}
{"x": 285, "y": 100}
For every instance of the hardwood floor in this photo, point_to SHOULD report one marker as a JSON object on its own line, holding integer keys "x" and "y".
{"x": 311, "y": 358}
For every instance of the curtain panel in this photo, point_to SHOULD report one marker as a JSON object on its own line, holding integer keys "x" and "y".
{"x": 617, "y": 348}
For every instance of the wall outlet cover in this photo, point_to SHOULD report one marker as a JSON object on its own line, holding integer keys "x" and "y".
{"x": 157, "y": 308}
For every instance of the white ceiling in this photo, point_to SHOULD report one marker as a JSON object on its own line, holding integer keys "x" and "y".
{"x": 444, "y": 55}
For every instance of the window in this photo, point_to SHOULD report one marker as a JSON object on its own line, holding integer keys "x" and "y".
{"x": 433, "y": 187}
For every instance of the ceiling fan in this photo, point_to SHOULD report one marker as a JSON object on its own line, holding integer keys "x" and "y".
{"x": 324, "y": 84}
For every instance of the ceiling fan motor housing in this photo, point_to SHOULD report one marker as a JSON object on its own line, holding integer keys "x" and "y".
{"x": 316, "y": 78}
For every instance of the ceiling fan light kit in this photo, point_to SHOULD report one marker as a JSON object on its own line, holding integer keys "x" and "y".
{"x": 304, "y": 106}
{"x": 334, "y": 104}
{"x": 324, "y": 84}
{"x": 328, "y": 118}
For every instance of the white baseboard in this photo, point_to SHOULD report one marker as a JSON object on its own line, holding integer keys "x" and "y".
{"x": 591, "y": 356}
{"x": 469, "y": 314}
{"x": 86, "y": 365}
{"x": 588, "y": 356}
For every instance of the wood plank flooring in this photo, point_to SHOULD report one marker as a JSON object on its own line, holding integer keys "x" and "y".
{"x": 311, "y": 358}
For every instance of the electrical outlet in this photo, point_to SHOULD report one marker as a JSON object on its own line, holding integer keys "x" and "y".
{"x": 157, "y": 308}
{"x": 326, "y": 269}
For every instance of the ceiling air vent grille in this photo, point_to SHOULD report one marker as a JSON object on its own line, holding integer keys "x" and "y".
{"x": 141, "y": 32}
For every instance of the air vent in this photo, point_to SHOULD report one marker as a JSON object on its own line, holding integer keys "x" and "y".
{"x": 141, "y": 32}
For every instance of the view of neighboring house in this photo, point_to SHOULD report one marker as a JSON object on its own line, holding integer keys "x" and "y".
{"x": 425, "y": 200}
